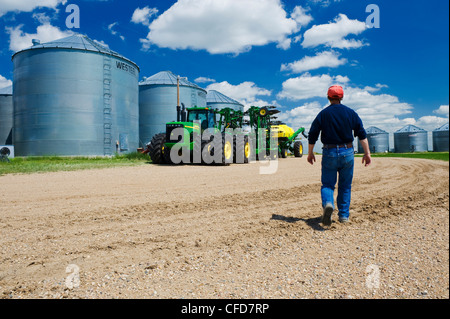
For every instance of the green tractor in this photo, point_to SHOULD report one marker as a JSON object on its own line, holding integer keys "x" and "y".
{"x": 264, "y": 143}
{"x": 185, "y": 138}
{"x": 208, "y": 136}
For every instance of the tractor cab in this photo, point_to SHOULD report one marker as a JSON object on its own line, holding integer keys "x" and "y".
{"x": 206, "y": 117}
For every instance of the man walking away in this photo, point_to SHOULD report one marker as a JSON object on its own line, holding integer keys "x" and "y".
{"x": 339, "y": 125}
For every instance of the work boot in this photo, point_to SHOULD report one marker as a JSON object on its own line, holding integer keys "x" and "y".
{"x": 344, "y": 220}
{"x": 327, "y": 213}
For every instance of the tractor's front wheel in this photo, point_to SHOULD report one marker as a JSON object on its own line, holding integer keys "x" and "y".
{"x": 298, "y": 149}
{"x": 157, "y": 148}
{"x": 247, "y": 150}
{"x": 284, "y": 153}
{"x": 227, "y": 150}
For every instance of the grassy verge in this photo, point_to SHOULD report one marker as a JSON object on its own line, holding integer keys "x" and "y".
{"x": 426, "y": 155}
{"x": 28, "y": 165}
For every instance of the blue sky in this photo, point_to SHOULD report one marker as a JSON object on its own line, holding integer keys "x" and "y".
{"x": 268, "y": 52}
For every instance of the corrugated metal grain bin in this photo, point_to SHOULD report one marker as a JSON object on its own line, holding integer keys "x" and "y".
{"x": 6, "y": 116}
{"x": 217, "y": 100}
{"x": 378, "y": 140}
{"x": 440, "y": 139}
{"x": 158, "y": 100}
{"x": 74, "y": 97}
{"x": 411, "y": 139}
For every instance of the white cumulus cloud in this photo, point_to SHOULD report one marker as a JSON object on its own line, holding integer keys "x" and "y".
{"x": 431, "y": 123}
{"x": 301, "y": 116}
{"x": 301, "y": 16}
{"x": 307, "y": 86}
{"x": 20, "y": 40}
{"x": 204, "y": 80}
{"x": 111, "y": 29}
{"x": 442, "y": 110}
{"x": 27, "y": 5}
{"x": 334, "y": 34}
{"x": 143, "y": 16}
{"x": 226, "y": 26}
{"x": 385, "y": 111}
{"x": 382, "y": 110}
{"x": 247, "y": 93}
{"x": 329, "y": 59}
{"x": 4, "y": 82}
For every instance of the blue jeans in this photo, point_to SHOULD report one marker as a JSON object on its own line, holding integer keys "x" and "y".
{"x": 338, "y": 161}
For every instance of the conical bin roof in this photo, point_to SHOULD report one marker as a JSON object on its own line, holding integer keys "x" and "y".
{"x": 77, "y": 42}
{"x": 168, "y": 78}
{"x": 375, "y": 130}
{"x": 410, "y": 129}
{"x": 217, "y": 97}
{"x": 443, "y": 128}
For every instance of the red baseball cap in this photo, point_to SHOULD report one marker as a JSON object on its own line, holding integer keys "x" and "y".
{"x": 336, "y": 92}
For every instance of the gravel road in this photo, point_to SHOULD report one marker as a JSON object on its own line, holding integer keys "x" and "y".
{"x": 159, "y": 232}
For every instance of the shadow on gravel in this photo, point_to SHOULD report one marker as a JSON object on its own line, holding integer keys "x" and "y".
{"x": 314, "y": 223}
{"x": 285, "y": 219}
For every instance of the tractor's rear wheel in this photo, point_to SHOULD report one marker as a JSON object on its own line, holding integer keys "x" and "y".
{"x": 242, "y": 150}
{"x": 157, "y": 149}
{"x": 166, "y": 156}
{"x": 298, "y": 149}
{"x": 206, "y": 152}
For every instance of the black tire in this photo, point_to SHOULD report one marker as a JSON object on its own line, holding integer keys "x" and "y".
{"x": 226, "y": 150}
{"x": 157, "y": 148}
{"x": 298, "y": 149}
{"x": 241, "y": 147}
{"x": 236, "y": 148}
{"x": 284, "y": 153}
{"x": 247, "y": 150}
{"x": 206, "y": 144}
{"x": 263, "y": 112}
{"x": 197, "y": 149}
{"x": 225, "y": 147}
{"x": 166, "y": 156}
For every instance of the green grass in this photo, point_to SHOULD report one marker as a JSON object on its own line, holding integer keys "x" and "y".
{"x": 444, "y": 156}
{"x": 29, "y": 165}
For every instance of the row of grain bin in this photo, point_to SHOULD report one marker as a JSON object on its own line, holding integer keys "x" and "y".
{"x": 408, "y": 139}
{"x": 76, "y": 97}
